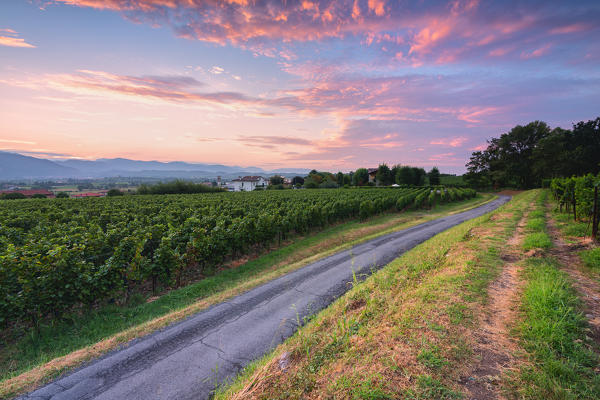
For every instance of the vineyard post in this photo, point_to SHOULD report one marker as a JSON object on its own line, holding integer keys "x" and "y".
{"x": 595, "y": 215}
{"x": 574, "y": 207}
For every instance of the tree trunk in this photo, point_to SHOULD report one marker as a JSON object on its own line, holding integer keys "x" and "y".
{"x": 595, "y": 215}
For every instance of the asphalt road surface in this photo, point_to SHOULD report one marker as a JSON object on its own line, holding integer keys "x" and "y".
{"x": 187, "y": 359}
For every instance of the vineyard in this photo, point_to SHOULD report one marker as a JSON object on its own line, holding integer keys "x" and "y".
{"x": 579, "y": 196}
{"x": 62, "y": 255}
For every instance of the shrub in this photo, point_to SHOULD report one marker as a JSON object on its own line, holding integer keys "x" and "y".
{"x": 13, "y": 196}
{"x": 114, "y": 192}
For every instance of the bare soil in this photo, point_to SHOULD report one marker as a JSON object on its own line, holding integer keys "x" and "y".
{"x": 493, "y": 344}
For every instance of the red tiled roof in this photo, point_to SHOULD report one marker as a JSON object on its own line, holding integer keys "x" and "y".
{"x": 30, "y": 192}
{"x": 89, "y": 195}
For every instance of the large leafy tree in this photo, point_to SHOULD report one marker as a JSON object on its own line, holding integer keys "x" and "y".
{"x": 360, "y": 177}
{"x": 434, "y": 176}
{"x": 384, "y": 175}
{"x": 276, "y": 180}
{"x": 405, "y": 176}
{"x": 418, "y": 176}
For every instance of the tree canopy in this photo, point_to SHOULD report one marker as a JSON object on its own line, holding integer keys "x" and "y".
{"x": 526, "y": 155}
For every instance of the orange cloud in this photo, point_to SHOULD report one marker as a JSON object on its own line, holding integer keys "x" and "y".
{"x": 11, "y": 39}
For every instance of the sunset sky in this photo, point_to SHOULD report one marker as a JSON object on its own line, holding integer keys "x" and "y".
{"x": 329, "y": 84}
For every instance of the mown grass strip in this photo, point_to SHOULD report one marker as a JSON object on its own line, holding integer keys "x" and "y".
{"x": 406, "y": 332}
{"x": 537, "y": 237}
{"x": 99, "y": 331}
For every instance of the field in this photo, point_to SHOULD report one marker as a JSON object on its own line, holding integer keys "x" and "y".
{"x": 500, "y": 306}
{"x": 54, "y": 244}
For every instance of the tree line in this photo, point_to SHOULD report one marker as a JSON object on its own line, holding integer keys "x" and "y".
{"x": 529, "y": 156}
{"x": 404, "y": 175}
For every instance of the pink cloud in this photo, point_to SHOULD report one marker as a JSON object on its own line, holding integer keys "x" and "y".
{"x": 501, "y": 51}
{"x": 452, "y": 142}
{"x": 481, "y": 147}
{"x": 536, "y": 53}
{"x": 572, "y": 28}
{"x": 442, "y": 157}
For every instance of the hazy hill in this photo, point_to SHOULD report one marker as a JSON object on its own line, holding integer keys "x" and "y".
{"x": 16, "y": 166}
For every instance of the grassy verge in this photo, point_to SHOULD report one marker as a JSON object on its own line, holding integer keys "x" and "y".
{"x": 36, "y": 357}
{"x": 560, "y": 362}
{"x": 405, "y": 332}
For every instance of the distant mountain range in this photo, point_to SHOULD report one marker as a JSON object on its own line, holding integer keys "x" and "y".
{"x": 16, "y": 166}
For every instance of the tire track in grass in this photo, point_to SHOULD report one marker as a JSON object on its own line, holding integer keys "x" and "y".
{"x": 494, "y": 346}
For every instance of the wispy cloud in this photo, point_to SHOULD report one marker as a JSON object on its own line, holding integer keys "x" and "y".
{"x": 16, "y": 141}
{"x": 167, "y": 88}
{"x": 10, "y": 38}
{"x": 272, "y": 142}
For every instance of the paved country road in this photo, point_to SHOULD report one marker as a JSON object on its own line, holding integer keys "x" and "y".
{"x": 187, "y": 359}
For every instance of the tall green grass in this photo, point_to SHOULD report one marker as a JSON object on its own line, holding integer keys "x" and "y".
{"x": 591, "y": 258}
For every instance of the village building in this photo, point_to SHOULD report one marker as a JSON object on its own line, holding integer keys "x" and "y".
{"x": 90, "y": 194}
{"x": 372, "y": 174}
{"x": 247, "y": 183}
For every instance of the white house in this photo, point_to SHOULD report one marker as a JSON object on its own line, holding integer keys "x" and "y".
{"x": 247, "y": 183}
